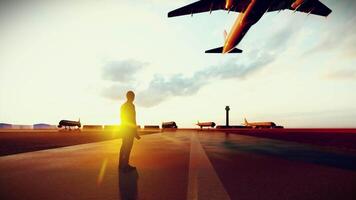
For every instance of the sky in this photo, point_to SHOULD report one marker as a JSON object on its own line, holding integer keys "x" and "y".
{"x": 76, "y": 59}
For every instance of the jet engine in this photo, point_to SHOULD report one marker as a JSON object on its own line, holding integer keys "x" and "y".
{"x": 297, "y": 3}
{"x": 228, "y": 4}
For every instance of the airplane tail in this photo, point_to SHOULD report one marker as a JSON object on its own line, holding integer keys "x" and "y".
{"x": 246, "y": 122}
{"x": 220, "y": 49}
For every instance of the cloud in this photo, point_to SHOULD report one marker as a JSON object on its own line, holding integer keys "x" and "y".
{"x": 122, "y": 71}
{"x": 346, "y": 74}
{"x": 232, "y": 70}
{"x": 340, "y": 33}
{"x": 162, "y": 88}
{"x": 116, "y": 91}
{"x": 343, "y": 37}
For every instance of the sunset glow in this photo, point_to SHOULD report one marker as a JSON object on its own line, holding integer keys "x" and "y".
{"x": 76, "y": 59}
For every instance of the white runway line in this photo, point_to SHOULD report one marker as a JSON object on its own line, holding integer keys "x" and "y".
{"x": 203, "y": 183}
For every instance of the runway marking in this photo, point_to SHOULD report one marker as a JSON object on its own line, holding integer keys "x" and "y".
{"x": 62, "y": 149}
{"x": 203, "y": 183}
{"x": 171, "y": 139}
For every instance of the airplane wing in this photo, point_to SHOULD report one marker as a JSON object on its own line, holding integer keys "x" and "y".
{"x": 208, "y": 6}
{"x": 308, "y": 6}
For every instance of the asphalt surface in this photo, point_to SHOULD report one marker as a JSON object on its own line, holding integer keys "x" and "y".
{"x": 182, "y": 165}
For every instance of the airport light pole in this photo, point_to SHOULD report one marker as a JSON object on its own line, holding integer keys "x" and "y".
{"x": 227, "y": 109}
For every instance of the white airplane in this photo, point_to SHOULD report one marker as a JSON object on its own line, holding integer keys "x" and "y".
{"x": 261, "y": 124}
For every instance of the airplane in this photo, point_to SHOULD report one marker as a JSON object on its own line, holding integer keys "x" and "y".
{"x": 250, "y": 12}
{"x": 170, "y": 124}
{"x": 261, "y": 124}
{"x": 206, "y": 124}
{"x": 68, "y": 124}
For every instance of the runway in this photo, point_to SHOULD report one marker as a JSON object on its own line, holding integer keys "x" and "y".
{"x": 182, "y": 165}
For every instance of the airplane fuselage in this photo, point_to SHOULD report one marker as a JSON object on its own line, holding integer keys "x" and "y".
{"x": 69, "y": 123}
{"x": 206, "y": 124}
{"x": 254, "y": 11}
{"x": 251, "y": 12}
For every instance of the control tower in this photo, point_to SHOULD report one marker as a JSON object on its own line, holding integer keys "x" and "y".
{"x": 227, "y": 109}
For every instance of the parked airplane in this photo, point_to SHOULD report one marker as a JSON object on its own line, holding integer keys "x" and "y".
{"x": 171, "y": 124}
{"x": 261, "y": 124}
{"x": 206, "y": 124}
{"x": 250, "y": 12}
{"x": 68, "y": 124}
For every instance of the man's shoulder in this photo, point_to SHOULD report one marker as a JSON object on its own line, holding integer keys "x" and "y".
{"x": 127, "y": 105}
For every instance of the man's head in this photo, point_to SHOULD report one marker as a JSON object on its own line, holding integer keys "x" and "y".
{"x": 130, "y": 96}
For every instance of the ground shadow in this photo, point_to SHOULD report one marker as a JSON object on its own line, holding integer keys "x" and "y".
{"x": 128, "y": 184}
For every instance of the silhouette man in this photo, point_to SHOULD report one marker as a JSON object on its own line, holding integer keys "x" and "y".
{"x": 129, "y": 131}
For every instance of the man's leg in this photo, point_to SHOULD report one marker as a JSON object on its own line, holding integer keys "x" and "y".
{"x": 127, "y": 142}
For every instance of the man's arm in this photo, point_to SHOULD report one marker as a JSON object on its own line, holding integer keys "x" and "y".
{"x": 134, "y": 118}
{"x": 134, "y": 114}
